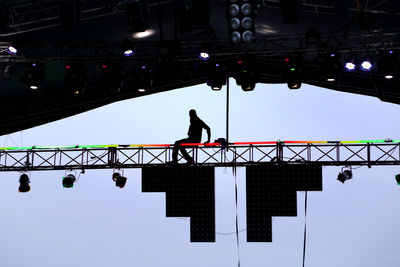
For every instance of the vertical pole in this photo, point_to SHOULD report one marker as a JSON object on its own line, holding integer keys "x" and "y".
{"x": 227, "y": 111}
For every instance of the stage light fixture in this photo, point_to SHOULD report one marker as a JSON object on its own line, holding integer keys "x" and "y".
{"x": 112, "y": 77}
{"x": 388, "y": 65}
{"x": 294, "y": 84}
{"x": 68, "y": 181}
{"x": 119, "y": 180}
{"x": 344, "y": 176}
{"x": 12, "y": 50}
{"x": 294, "y": 72}
{"x": 76, "y": 79}
{"x": 8, "y": 71}
{"x": 34, "y": 75}
{"x": 241, "y": 20}
{"x": 312, "y": 36}
{"x": 366, "y": 65}
{"x": 216, "y": 77}
{"x": 143, "y": 79}
{"x": 24, "y": 183}
{"x": 397, "y": 178}
{"x": 204, "y": 53}
{"x": 128, "y": 48}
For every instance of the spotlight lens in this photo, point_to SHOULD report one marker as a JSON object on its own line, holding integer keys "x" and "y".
{"x": 34, "y": 87}
{"x": 216, "y": 88}
{"x": 389, "y": 76}
{"x": 204, "y": 56}
{"x": 142, "y": 90}
{"x": 330, "y": 79}
{"x": 129, "y": 52}
{"x": 350, "y": 66}
{"x": 248, "y": 36}
{"x": 366, "y": 65}
{"x": 234, "y": 23}
{"x": 246, "y": 9}
{"x": 12, "y": 50}
{"x": 233, "y": 10}
{"x": 235, "y": 37}
{"x": 247, "y": 23}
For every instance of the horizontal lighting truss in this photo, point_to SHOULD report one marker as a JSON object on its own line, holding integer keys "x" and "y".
{"x": 336, "y": 153}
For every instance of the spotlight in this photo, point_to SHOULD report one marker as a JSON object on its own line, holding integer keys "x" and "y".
{"x": 241, "y": 17}
{"x": 24, "y": 183}
{"x": 397, "y": 178}
{"x": 344, "y": 176}
{"x": 350, "y": 64}
{"x": 112, "y": 77}
{"x": 12, "y": 50}
{"x": 294, "y": 84}
{"x": 68, "y": 181}
{"x": 76, "y": 79}
{"x": 143, "y": 79}
{"x": 294, "y": 72}
{"x": 34, "y": 75}
{"x": 205, "y": 52}
{"x": 7, "y": 73}
{"x": 388, "y": 66}
{"x": 312, "y": 36}
{"x": 119, "y": 180}
{"x": 366, "y": 65}
{"x": 127, "y": 48}
{"x": 216, "y": 77}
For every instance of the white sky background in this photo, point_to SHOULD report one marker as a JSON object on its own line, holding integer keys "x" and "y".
{"x": 98, "y": 224}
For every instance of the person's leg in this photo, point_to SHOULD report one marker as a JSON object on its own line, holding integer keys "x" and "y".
{"x": 177, "y": 146}
{"x": 184, "y": 153}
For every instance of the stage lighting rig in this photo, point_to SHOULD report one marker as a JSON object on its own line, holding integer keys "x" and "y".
{"x": 397, "y": 178}
{"x": 205, "y": 51}
{"x": 68, "y": 181}
{"x": 76, "y": 79}
{"x": 128, "y": 48}
{"x": 246, "y": 76}
{"x": 294, "y": 71}
{"x": 24, "y": 183}
{"x": 34, "y": 75}
{"x": 216, "y": 77}
{"x": 119, "y": 180}
{"x": 143, "y": 79}
{"x": 350, "y": 64}
{"x": 241, "y": 20}
{"x": 330, "y": 66}
{"x": 389, "y": 65}
{"x": 345, "y": 175}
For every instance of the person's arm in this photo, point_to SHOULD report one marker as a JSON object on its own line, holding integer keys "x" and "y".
{"x": 205, "y": 126}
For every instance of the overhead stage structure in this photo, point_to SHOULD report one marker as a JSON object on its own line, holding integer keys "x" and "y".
{"x": 238, "y": 154}
{"x": 61, "y": 58}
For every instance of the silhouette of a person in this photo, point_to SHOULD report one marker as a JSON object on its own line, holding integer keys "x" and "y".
{"x": 195, "y": 129}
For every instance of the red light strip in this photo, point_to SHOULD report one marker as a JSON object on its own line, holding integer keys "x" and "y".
{"x": 255, "y": 143}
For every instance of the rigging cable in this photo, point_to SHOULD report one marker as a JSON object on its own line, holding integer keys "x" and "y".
{"x": 305, "y": 228}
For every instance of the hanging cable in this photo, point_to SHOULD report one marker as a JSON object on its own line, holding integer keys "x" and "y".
{"x": 305, "y": 228}
{"x": 237, "y": 221}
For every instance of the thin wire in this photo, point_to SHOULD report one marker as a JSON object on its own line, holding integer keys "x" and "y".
{"x": 237, "y": 221}
{"x": 231, "y": 233}
{"x": 305, "y": 228}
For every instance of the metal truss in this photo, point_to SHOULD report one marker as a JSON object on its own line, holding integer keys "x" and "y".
{"x": 328, "y": 7}
{"x": 37, "y": 15}
{"x": 121, "y": 157}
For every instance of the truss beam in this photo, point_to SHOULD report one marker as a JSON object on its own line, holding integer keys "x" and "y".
{"x": 118, "y": 157}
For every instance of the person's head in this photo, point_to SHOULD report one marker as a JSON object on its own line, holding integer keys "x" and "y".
{"x": 192, "y": 113}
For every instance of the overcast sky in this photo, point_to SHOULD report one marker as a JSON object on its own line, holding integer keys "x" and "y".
{"x": 98, "y": 224}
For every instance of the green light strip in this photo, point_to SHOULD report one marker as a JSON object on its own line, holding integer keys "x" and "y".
{"x": 53, "y": 147}
{"x": 97, "y": 146}
{"x": 363, "y": 141}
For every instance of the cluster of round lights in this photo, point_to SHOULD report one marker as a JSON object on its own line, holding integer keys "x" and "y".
{"x": 366, "y": 65}
{"x": 241, "y": 23}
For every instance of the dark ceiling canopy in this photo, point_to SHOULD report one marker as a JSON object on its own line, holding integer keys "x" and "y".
{"x": 74, "y": 50}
